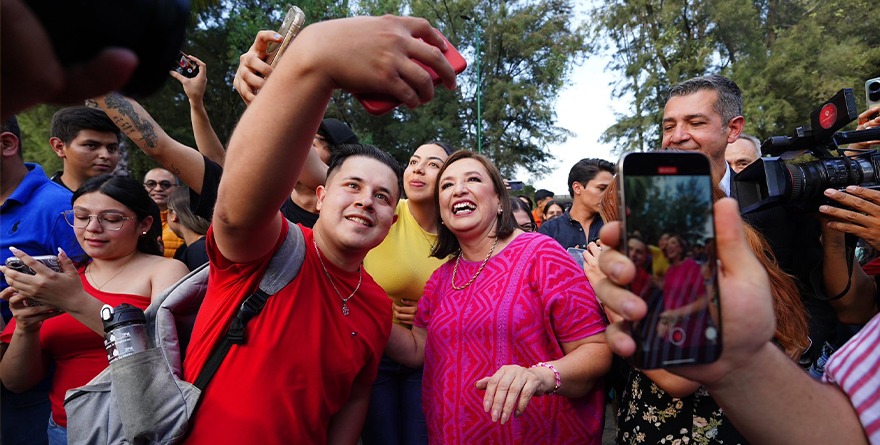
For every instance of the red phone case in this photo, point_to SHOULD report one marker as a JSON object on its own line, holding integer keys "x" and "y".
{"x": 378, "y": 104}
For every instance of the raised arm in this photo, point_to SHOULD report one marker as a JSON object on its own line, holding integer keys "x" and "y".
{"x": 185, "y": 162}
{"x": 206, "y": 139}
{"x": 270, "y": 145}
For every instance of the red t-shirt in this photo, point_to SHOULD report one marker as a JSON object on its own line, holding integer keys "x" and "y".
{"x": 78, "y": 351}
{"x": 302, "y": 355}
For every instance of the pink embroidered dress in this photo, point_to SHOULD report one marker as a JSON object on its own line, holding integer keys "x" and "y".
{"x": 529, "y": 299}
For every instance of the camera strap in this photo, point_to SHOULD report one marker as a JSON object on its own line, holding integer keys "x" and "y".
{"x": 850, "y": 242}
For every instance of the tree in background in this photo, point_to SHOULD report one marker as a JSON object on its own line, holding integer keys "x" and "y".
{"x": 528, "y": 50}
{"x": 787, "y": 56}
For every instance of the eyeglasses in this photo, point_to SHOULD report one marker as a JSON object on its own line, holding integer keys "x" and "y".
{"x": 164, "y": 185}
{"x": 528, "y": 227}
{"x": 109, "y": 221}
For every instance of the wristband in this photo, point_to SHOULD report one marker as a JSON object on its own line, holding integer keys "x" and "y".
{"x": 555, "y": 374}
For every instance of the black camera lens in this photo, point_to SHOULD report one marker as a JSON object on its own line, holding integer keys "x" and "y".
{"x": 874, "y": 91}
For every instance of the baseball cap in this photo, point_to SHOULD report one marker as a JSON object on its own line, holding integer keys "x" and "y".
{"x": 337, "y": 132}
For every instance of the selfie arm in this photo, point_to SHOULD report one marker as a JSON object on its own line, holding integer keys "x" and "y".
{"x": 135, "y": 122}
{"x": 272, "y": 141}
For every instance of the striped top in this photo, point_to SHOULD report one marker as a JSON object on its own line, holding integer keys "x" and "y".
{"x": 855, "y": 369}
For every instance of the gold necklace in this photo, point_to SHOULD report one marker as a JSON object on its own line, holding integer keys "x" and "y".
{"x": 458, "y": 258}
{"x": 425, "y": 236}
{"x": 345, "y": 309}
{"x": 92, "y": 277}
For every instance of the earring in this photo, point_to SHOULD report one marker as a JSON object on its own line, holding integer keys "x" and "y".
{"x": 145, "y": 232}
{"x": 499, "y": 211}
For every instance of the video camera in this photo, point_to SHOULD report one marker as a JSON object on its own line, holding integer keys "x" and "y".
{"x": 775, "y": 180}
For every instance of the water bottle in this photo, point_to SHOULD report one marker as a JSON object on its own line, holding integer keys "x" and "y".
{"x": 125, "y": 331}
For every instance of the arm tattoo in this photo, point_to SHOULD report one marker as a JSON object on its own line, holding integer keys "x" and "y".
{"x": 91, "y": 103}
{"x": 135, "y": 124}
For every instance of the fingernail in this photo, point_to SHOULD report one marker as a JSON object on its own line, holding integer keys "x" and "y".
{"x": 824, "y": 209}
{"x": 627, "y": 307}
{"x": 277, "y": 36}
{"x": 485, "y": 406}
{"x": 830, "y": 192}
{"x": 852, "y": 188}
{"x": 616, "y": 269}
{"x": 494, "y": 416}
{"x": 504, "y": 418}
{"x": 13, "y": 249}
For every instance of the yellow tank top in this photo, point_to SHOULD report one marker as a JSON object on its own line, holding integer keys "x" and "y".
{"x": 402, "y": 263}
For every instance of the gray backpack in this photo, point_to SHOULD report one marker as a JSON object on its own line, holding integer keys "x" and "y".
{"x": 143, "y": 399}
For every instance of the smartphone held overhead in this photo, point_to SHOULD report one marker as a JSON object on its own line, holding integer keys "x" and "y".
{"x": 290, "y": 28}
{"x": 669, "y": 233}
{"x": 186, "y": 66}
{"x": 378, "y": 104}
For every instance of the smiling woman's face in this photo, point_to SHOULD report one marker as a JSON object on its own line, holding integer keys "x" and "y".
{"x": 468, "y": 200}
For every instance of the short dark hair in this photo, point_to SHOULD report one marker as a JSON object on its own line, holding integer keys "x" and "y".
{"x": 132, "y": 195}
{"x": 543, "y": 194}
{"x": 345, "y": 151}
{"x": 729, "y": 102}
{"x": 585, "y": 170}
{"x": 68, "y": 122}
{"x": 447, "y": 243}
{"x": 10, "y": 125}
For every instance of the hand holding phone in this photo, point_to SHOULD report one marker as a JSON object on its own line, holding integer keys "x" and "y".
{"x": 16, "y": 264}
{"x": 186, "y": 67}
{"x": 577, "y": 254}
{"x": 290, "y": 27}
{"x": 378, "y": 104}
{"x": 670, "y": 193}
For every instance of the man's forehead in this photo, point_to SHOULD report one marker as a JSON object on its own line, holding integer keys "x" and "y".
{"x": 696, "y": 104}
{"x": 367, "y": 170}
{"x": 159, "y": 175}
{"x": 106, "y": 137}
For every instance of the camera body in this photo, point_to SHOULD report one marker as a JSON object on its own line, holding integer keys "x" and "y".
{"x": 780, "y": 180}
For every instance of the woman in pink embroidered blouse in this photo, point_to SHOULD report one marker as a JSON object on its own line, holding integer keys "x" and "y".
{"x": 509, "y": 329}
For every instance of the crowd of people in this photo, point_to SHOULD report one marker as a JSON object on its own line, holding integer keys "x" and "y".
{"x": 432, "y": 305}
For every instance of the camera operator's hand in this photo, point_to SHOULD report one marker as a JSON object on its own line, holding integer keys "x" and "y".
{"x": 861, "y": 217}
{"x": 747, "y": 303}
{"x": 252, "y": 67}
{"x": 869, "y": 119}
{"x": 193, "y": 87}
{"x": 32, "y": 73}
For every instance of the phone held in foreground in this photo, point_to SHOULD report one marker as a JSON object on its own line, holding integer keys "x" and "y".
{"x": 668, "y": 195}
{"x": 50, "y": 261}
{"x": 379, "y": 104}
{"x": 290, "y": 27}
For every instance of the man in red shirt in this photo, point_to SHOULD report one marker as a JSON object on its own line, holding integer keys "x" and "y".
{"x": 305, "y": 372}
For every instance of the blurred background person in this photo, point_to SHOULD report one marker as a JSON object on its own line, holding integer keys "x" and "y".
{"x": 742, "y": 152}
{"x": 188, "y": 226}
{"x": 523, "y": 215}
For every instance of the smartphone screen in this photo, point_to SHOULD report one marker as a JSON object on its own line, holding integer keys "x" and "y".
{"x": 666, "y": 206}
{"x": 578, "y": 255}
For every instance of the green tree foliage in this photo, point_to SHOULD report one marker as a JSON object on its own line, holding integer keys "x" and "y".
{"x": 787, "y": 56}
{"x": 527, "y": 52}
{"x": 680, "y": 206}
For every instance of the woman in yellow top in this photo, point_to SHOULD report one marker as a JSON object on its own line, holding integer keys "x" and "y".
{"x": 402, "y": 265}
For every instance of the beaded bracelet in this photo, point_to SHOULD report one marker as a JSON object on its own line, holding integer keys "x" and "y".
{"x": 555, "y": 374}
